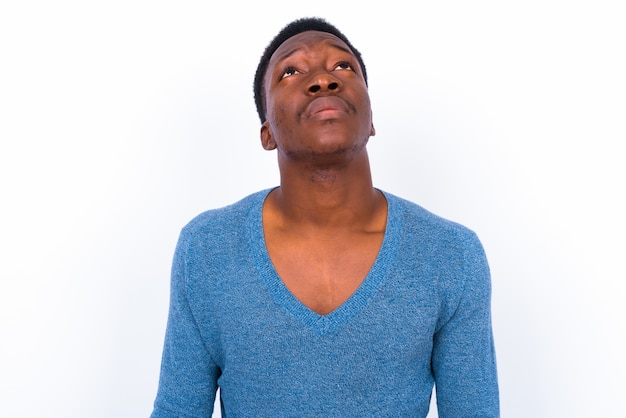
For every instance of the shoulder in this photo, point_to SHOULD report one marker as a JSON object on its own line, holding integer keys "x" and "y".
{"x": 443, "y": 253}
{"x": 226, "y": 220}
{"x": 429, "y": 228}
{"x": 442, "y": 250}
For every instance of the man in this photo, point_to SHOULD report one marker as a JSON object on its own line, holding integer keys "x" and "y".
{"x": 325, "y": 297}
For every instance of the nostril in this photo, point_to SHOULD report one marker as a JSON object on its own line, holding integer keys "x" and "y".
{"x": 314, "y": 88}
{"x": 333, "y": 86}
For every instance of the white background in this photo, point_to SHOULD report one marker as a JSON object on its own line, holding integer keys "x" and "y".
{"x": 121, "y": 120}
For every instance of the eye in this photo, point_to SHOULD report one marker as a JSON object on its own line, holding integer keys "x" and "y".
{"x": 289, "y": 71}
{"x": 344, "y": 65}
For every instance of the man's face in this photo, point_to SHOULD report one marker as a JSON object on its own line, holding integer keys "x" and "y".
{"x": 316, "y": 98}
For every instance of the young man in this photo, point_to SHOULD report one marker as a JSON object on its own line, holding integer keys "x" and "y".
{"x": 325, "y": 297}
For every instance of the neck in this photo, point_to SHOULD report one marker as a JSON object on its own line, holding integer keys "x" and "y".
{"x": 326, "y": 197}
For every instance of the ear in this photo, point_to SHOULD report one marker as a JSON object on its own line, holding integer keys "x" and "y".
{"x": 372, "y": 129}
{"x": 267, "y": 140}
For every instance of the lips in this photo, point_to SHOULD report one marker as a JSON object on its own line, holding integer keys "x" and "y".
{"x": 325, "y": 106}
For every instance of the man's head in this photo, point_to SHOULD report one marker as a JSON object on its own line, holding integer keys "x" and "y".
{"x": 292, "y": 29}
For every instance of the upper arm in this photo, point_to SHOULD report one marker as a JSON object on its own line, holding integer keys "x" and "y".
{"x": 188, "y": 379}
{"x": 463, "y": 361}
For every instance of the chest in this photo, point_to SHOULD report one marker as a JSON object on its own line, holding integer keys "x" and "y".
{"x": 323, "y": 274}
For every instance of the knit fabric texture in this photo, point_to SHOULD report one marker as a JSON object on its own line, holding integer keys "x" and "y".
{"x": 421, "y": 318}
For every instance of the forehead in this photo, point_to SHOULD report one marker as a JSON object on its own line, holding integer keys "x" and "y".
{"x": 307, "y": 40}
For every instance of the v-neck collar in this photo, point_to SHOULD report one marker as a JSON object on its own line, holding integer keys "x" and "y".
{"x": 282, "y": 296}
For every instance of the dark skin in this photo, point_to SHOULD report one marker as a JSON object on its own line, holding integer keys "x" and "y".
{"x": 325, "y": 224}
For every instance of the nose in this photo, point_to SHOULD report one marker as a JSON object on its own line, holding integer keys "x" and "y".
{"x": 322, "y": 82}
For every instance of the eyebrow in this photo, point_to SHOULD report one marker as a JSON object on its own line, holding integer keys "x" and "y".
{"x": 297, "y": 49}
{"x": 288, "y": 54}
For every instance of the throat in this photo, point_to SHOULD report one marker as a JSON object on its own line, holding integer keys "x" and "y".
{"x": 324, "y": 177}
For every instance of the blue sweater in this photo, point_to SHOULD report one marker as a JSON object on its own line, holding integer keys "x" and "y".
{"x": 421, "y": 317}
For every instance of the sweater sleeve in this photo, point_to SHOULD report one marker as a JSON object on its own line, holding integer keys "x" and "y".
{"x": 188, "y": 379}
{"x": 463, "y": 361}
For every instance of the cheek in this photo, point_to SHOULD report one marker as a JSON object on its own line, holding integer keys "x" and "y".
{"x": 282, "y": 129}
{"x": 275, "y": 116}
{"x": 279, "y": 114}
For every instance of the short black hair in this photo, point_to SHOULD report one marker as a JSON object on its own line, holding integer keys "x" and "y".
{"x": 292, "y": 29}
